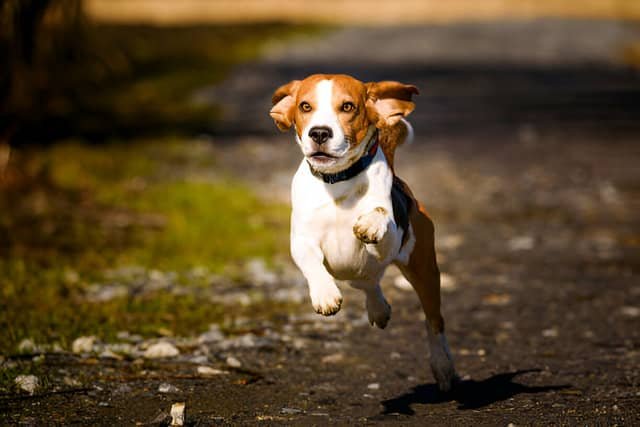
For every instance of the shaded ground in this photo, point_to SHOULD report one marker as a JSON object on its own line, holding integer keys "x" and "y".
{"x": 527, "y": 162}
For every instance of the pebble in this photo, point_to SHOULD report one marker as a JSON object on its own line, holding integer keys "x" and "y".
{"x": 395, "y": 355}
{"x": 108, "y": 354}
{"x": 71, "y": 382}
{"x": 452, "y": 241}
{"x": 521, "y": 243}
{"x": 233, "y": 362}
{"x": 83, "y": 344}
{"x": 209, "y": 371}
{"x": 27, "y": 345}
{"x": 123, "y": 388}
{"x": 258, "y": 273}
{"x": 550, "y": 333}
{"x": 28, "y": 383}
{"x": 168, "y": 388}
{"x": 178, "y": 415}
{"x": 630, "y": 311}
{"x": 212, "y": 335}
{"x": 374, "y": 386}
{"x": 290, "y": 411}
{"x": 161, "y": 350}
{"x": 333, "y": 358}
{"x": 127, "y": 336}
{"x": 447, "y": 282}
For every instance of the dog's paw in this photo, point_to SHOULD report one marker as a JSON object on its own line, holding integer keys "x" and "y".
{"x": 371, "y": 227}
{"x": 326, "y": 300}
{"x": 442, "y": 363}
{"x": 379, "y": 311}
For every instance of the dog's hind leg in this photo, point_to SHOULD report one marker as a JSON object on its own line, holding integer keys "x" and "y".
{"x": 422, "y": 272}
{"x": 378, "y": 309}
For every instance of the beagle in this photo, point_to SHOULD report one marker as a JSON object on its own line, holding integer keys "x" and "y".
{"x": 351, "y": 215}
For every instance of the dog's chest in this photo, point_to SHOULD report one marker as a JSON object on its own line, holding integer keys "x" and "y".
{"x": 326, "y": 215}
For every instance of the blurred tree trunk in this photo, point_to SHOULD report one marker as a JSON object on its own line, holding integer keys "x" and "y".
{"x": 23, "y": 73}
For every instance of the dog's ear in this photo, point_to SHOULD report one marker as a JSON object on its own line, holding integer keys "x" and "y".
{"x": 284, "y": 100}
{"x": 388, "y": 102}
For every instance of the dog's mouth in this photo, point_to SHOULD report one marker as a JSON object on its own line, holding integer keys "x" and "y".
{"x": 322, "y": 157}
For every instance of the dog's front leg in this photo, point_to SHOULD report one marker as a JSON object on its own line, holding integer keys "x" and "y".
{"x": 377, "y": 230}
{"x": 325, "y": 295}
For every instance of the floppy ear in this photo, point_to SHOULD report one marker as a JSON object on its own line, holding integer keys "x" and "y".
{"x": 284, "y": 99}
{"x": 389, "y": 101}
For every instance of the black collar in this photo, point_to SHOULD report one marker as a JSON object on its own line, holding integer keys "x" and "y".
{"x": 361, "y": 164}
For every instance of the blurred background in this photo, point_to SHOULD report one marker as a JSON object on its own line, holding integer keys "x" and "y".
{"x": 144, "y": 189}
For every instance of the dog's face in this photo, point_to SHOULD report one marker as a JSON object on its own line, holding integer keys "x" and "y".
{"x": 335, "y": 115}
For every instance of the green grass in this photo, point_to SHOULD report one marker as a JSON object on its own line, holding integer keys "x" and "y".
{"x": 80, "y": 210}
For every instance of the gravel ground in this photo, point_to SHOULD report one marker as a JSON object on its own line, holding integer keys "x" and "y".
{"x": 526, "y": 155}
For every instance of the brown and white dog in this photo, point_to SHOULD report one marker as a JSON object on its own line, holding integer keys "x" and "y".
{"x": 352, "y": 216}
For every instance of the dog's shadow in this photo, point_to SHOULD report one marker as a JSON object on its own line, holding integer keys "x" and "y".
{"x": 469, "y": 394}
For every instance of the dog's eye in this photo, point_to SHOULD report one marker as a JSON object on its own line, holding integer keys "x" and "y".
{"x": 305, "y": 107}
{"x": 348, "y": 107}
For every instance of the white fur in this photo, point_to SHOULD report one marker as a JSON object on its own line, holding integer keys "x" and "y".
{"x": 323, "y": 243}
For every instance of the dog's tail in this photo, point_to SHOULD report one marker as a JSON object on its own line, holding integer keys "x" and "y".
{"x": 392, "y": 137}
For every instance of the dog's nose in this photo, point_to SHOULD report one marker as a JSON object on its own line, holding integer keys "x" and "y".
{"x": 320, "y": 134}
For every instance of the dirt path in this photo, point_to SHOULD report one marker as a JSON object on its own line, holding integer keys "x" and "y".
{"x": 526, "y": 155}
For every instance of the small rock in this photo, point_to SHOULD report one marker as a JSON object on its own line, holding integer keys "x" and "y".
{"x": 71, "y": 382}
{"x": 374, "y": 386}
{"x": 630, "y": 311}
{"x": 451, "y": 241}
{"x": 127, "y": 336}
{"x": 290, "y": 411}
{"x": 199, "y": 360}
{"x": 212, "y": 335}
{"x": 521, "y": 243}
{"x": 209, "y": 371}
{"x": 28, "y": 383}
{"x": 27, "y": 345}
{"x": 394, "y": 355}
{"x": 168, "y": 388}
{"x": 164, "y": 332}
{"x": 104, "y": 293}
{"x": 108, "y": 354}
{"x": 333, "y": 358}
{"x": 178, "y": 416}
{"x": 481, "y": 352}
{"x": 447, "y": 282}
{"x": 550, "y": 333}
{"x": 123, "y": 388}
{"x": 233, "y": 362}
{"x": 259, "y": 274}
{"x": 496, "y": 299}
{"x": 83, "y": 344}
{"x": 161, "y": 350}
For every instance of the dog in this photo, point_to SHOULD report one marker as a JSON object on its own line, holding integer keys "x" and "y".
{"x": 351, "y": 215}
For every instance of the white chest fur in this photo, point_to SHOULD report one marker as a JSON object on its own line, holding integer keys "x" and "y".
{"x": 324, "y": 215}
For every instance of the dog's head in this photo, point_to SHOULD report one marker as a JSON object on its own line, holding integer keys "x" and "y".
{"x": 335, "y": 115}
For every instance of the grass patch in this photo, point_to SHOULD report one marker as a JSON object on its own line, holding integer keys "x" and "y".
{"x": 78, "y": 210}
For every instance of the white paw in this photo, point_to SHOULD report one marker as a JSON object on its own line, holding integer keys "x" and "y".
{"x": 378, "y": 310}
{"x": 326, "y": 299}
{"x": 371, "y": 227}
